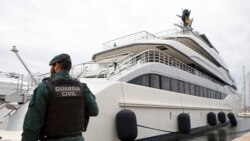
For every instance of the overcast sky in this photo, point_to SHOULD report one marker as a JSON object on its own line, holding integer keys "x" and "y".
{"x": 42, "y": 29}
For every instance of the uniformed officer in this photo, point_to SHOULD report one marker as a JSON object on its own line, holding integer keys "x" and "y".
{"x": 60, "y": 106}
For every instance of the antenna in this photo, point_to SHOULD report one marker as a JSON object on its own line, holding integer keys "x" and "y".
{"x": 186, "y": 21}
{"x": 16, "y": 52}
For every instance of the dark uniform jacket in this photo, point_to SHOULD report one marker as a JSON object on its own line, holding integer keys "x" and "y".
{"x": 35, "y": 116}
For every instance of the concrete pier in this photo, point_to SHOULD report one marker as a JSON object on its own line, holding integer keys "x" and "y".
{"x": 245, "y": 137}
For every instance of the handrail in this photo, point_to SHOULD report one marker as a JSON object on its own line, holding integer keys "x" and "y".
{"x": 16, "y": 85}
{"x": 112, "y": 56}
{"x": 104, "y": 64}
{"x": 157, "y": 56}
{"x": 108, "y": 69}
{"x": 141, "y": 35}
{"x": 128, "y": 38}
{"x": 167, "y": 32}
{"x": 153, "y": 55}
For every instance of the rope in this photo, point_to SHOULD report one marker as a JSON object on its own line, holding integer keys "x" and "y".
{"x": 154, "y": 128}
{"x": 121, "y": 82}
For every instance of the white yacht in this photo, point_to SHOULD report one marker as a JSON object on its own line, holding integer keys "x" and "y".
{"x": 14, "y": 86}
{"x": 148, "y": 86}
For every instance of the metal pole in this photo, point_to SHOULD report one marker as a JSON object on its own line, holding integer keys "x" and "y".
{"x": 21, "y": 84}
{"x": 244, "y": 88}
{"x": 28, "y": 86}
{"x": 16, "y": 52}
{"x": 248, "y": 92}
{"x": 17, "y": 89}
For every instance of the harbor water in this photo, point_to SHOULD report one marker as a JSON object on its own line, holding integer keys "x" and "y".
{"x": 227, "y": 133}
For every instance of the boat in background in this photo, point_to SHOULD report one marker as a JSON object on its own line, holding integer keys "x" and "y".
{"x": 150, "y": 85}
{"x": 14, "y": 86}
{"x": 15, "y": 91}
{"x": 245, "y": 112}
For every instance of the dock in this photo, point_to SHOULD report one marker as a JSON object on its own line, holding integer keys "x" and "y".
{"x": 241, "y": 132}
{"x": 245, "y": 137}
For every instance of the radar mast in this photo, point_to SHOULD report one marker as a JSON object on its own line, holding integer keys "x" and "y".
{"x": 186, "y": 24}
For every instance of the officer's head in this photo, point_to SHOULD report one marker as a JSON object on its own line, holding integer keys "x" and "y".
{"x": 60, "y": 62}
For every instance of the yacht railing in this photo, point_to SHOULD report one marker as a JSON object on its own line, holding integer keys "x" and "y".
{"x": 97, "y": 69}
{"x": 157, "y": 56}
{"x": 109, "y": 69}
{"x": 168, "y": 32}
{"x": 129, "y": 38}
{"x": 144, "y": 35}
{"x": 14, "y": 87}
{"x": 154, "y": 56}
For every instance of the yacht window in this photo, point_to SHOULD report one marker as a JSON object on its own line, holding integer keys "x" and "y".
{"x": 197, "y": 90}
{"x": 165, "y": 83}
{"x": 218, "y": 95}
{"x": 192, "y": 89}
{"x": 155, "y": 81}
{"x": 187, "y": 88}
{"x": 174, "y": 85}
{"x": 141, "y": 80}
{"x": 212, "y": 94}
{"x": 205, "y": 92}
{"x": 201, "y": 91}
{"x": 209, "y": 93}
{"x": 181, "y": 86}
{"x": 144, "y": 80}
{"x": 134, "y": 81}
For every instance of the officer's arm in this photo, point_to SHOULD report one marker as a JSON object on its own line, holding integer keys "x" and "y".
{"x": 91, "y": 105}
{"x": 34, "y": 119}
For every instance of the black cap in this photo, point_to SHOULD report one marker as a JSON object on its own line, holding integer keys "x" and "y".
{"x": 58, "y": 58}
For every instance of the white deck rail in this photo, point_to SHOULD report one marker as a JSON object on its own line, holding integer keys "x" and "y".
{"x": 128, "y": 38}
{"x": 15, "y": 86}
{"x": 108, "y": 69}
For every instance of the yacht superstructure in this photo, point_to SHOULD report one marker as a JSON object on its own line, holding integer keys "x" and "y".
{"x": 157, "y": 77}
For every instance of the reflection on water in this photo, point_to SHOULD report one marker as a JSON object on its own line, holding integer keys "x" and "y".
{"x": 227, "y": 133}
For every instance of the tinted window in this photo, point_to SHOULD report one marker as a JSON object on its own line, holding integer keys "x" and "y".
{"x": 205, "y": 92}
{"x": 197, "y": 90}
{"x": 212, "y": 94}
{"x": 201, "y": 91}
{"x": 187, "y": 88}
{"x": 217, "y": 95}
{"x": 155, "y": 81}
{"x": 134, "y": 81}
{"x": 192, "y": 89}
{"x": 181, "y": 86}
{"x": 174, "y": 85}
{"x": 144, "y": 80}
{"x": 208, "y": 93}
{"x": 165, "y": 83}
{"x": 141, "y": 80}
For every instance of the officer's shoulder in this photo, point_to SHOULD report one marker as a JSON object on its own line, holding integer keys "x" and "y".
{"x": 81, "y": 83}
{"x": 45, "y": 79}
